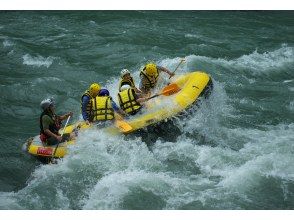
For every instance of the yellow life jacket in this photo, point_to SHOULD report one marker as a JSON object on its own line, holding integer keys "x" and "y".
{"x": 89, "y": 105}
{"x": 127, "y": 101}
{"x": 149, "y": 82}
{"x": 102, "y": 108}
{"x": 126, "y": 82}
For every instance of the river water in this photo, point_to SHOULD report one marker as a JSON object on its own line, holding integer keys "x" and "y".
{"x": 235, "y": 151}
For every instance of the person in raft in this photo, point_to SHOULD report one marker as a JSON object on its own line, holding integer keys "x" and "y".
{"x": 50, "y": 123}
{"x": 103, "y": 107}
{"x": 127, "y": 79}
{"x": 130, "y": 101}
{"x": 149, "y": 76}
{"x": 86, "y": 105}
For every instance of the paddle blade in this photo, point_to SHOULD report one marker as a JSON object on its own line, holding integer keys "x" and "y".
{"x": 123, "y": 126}
{"x": 170, "y": 89}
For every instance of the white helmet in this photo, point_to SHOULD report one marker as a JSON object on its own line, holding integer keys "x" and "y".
{"x": 124, "y": 72}
{"x": 125, "y": 87}
{"x": 46, "y": 103}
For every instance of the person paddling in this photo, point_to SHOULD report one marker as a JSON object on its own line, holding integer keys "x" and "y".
{"x": 50, "y": 123}
{"x": 86, "y": 105}
{"x": 130, "y": 101}
{"x": 149, "y": 76}
{"x": 103, "y": 107}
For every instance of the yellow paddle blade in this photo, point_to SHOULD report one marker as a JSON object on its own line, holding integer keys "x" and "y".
{"x": 170, "y": 89}
{"x": 123, "y": 126}
{"x": 83, "y": 125}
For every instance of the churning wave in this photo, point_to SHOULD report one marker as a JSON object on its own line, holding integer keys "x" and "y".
{"x": 37, "y": 61}
{"x": 255, "y": 61}
{"x": 7, "y": 43}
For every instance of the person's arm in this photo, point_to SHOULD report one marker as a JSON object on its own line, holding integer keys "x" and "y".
{"x": 166, "y": 71}
{"x": 142, "y": 100}
{"x": 85, "y": 102}
{"x": 141, "y": 87}
{"x": 139, "y": 95}
{"x": 133, "y": 85}
{"x": 139, "y": 98}
{"x": 116, "y": 108}
{"x": 65, "y": 116}
{"x": 138, "y": 91}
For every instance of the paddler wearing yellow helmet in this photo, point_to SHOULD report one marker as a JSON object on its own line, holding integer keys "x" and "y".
{"x": 149, "y": 75}
{"x": 104, "y": 108}
{"x": 86, "y": 104}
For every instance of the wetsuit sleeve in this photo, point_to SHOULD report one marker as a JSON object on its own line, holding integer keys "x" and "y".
{"x": 114, "y": 106}
{"x": 141, "y": 81}
{"x": 46, "y": 121}
{"x": 134, "y": 94}
{"x": 160, "y": 68}
{"x": 163, "y": 69}
{"x": 85, "y": 102}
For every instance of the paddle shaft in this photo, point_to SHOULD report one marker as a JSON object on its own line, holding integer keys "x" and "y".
{"x": 154, "y": 96}
{"x": 61, "y": 136}
{"x": 182, "y": 60}
{"x": 167, "y": 91}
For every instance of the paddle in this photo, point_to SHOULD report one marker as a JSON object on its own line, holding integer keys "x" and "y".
{"x": 182, "y": 60}
{"x": 167, "y": 91}
{"x": 121, "y": 124}
{"x": 61, "y": 136}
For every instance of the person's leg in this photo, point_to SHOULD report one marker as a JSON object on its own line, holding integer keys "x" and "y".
{"x": 51, "y": 141}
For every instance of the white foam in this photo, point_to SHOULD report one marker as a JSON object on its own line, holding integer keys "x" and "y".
{"x": 259, "y": 62}
{"x": 37, "y": 61}
{"x": 192, "y": 36}
{"x": 45, "y": 79}
{"x": 7, "y": 43}
{"x": 117, "y": 168}
{"x": 10, "y": 53}
{"x": 266, "y": 60}
{"x": 110, "y": 190}
{"x": 266, "y": 154}
{"x": 7, "y": 201}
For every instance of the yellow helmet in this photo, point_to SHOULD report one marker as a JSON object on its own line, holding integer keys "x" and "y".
{"x": 151, "y": 69}
{"x": 94, "y": 89}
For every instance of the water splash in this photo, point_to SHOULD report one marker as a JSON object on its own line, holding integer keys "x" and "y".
{"x": 37, "y": 61}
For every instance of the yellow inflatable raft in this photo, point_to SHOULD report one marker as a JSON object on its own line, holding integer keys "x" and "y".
{"x": 35, "y": 147}
{"x": 190, "y": 87}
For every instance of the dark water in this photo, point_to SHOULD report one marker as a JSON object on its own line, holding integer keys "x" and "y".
{"x": 234, "y": 152}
